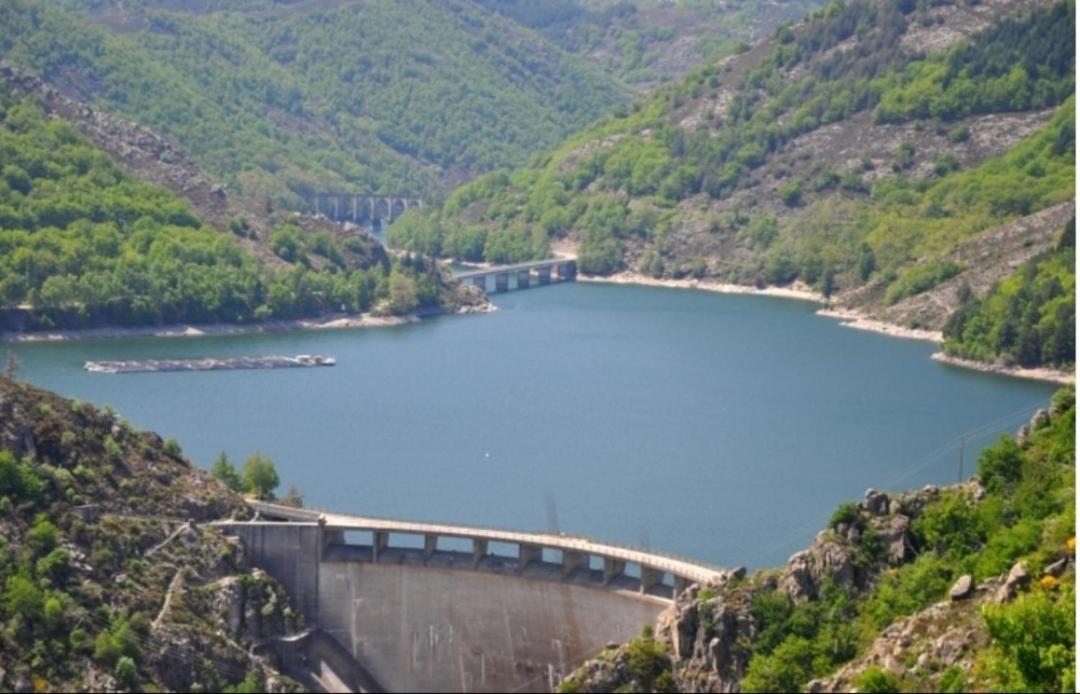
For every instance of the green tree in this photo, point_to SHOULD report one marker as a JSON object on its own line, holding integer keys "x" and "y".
{"x": 260, "y": 476}
{"x": 225, "y": 472}
{"x": 293, "y": 497}
{"x": 22, "y": 598}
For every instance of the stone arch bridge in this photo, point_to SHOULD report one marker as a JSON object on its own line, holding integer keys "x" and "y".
{"x": 368, "y": 210}
{"x": 439, "y": 607}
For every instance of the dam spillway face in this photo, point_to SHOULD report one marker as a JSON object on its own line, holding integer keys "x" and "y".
{"x": 424, "y": 617}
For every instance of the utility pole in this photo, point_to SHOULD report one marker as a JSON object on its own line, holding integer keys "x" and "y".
{"x": 960, "y": 474}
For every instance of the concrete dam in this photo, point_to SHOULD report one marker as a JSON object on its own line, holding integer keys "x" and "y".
{"x": 447, "y": 608}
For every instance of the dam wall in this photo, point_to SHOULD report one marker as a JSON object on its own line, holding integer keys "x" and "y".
{"x": 451, "y": 630}
{"x": 444, "y": 608}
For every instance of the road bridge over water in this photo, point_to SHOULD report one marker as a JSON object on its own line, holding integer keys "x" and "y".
{"x": 441, "y": 607}
{"x": 523, "y": 275}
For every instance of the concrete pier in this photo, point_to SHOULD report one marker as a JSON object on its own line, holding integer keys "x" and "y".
{"x": 565, "y": 270}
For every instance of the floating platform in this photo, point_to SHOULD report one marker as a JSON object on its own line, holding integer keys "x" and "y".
{"x": 207, "y": 364}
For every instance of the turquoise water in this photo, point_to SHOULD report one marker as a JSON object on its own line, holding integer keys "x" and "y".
{"x": 725, "y": 428}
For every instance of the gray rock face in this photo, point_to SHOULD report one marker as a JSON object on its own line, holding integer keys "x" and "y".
{"x": 963, "y": 588}
{"x": 709, "y": 640}
{"x": 893, "y": 532}
{"x": 827, "y": 557}
{"x": 1017, "y": 580}
{"x": 876, "y": 503}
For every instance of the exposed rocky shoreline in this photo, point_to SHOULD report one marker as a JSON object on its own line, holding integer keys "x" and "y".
{"x": 331, "y": 322}
{"x": 1038, "y": 374}
{"x": 849, "y": 318}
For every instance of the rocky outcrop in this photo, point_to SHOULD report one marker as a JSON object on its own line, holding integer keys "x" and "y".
{"x": 131, "y": 550}
{"x": 853, "y": 552}
{"x": 709, "y": 630}
{"x": 710, "y": 637}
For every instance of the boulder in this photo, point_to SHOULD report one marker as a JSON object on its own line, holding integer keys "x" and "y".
{"x": 877, "y": 503}
{"x": 1057, "y": 568}
{"x": 962, "y": 589}
{"x": 1017, "y": 580}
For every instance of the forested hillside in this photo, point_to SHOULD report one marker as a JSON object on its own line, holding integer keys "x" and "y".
{"x": 280, "y": 99}
{"x": 648, "y": 42}
{"x": 856, "y": 153}
{"x": 1027, "y": 319}
{"x": 82, "y": 243}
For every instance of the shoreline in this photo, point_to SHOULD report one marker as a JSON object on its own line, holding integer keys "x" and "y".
{"x": 796, "y": 291}
{"x": 1036, "y": 374}
{"x": 857, "y": 321}
{"x": 331, "y": 322}
{"x": 847, "y": 318}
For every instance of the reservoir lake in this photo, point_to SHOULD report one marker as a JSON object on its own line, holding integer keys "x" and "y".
{"x": 724, "y": 428}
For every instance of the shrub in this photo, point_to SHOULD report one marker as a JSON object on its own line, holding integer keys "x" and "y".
{"x": 127, "y": 674}
{"x": 953, "y": 681}
{"x": 172, "y": 448}
{"x": 1034, "y": 641}
{"x": 846, "y": 513}
{"x": 791, "y": 193}
{"x": 42, "y": 536}
{"x": 874, "y": 680}
{"x": 1001, "y": 466}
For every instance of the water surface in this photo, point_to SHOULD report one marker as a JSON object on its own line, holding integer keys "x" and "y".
{"x": 725, "y": 428}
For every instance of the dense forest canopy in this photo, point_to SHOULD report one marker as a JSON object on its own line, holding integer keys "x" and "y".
{"x": 82, "y": 243}
{"x": 279, "y": 101}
